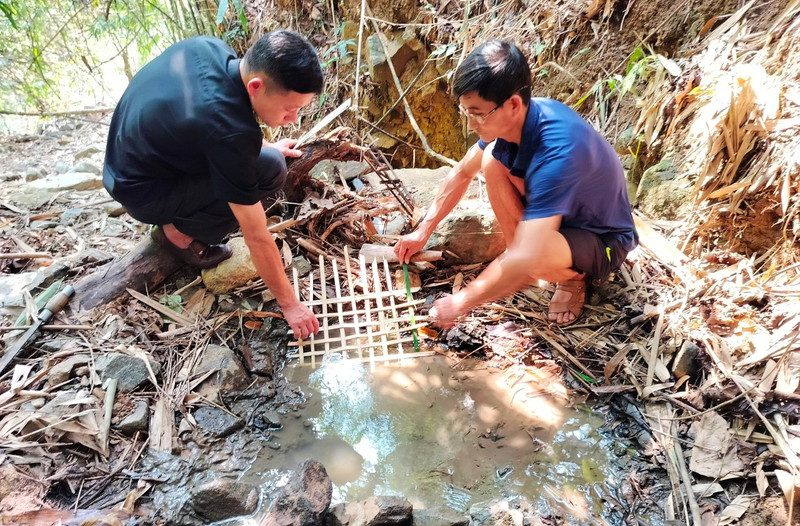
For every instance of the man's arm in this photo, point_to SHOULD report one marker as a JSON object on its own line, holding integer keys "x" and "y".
{"x": 539, "y": 251}
{"x": 267, "y": 260}
{"x": 448, "y": 196}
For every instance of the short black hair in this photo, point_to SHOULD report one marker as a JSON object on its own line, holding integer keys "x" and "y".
{"x": 288, "y": 59}
{"x": 496, "y": 70}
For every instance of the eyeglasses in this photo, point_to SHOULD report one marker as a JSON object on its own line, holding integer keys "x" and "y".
{"x": 480, "y": 118}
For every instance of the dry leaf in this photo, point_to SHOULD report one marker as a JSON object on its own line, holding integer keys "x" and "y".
{"x": 714, "y": 452}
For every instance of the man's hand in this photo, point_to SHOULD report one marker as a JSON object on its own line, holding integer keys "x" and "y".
{"x": 446, "y": 310}
{"x": 301, "y": 320}
{"x": 410, "y": 244}
{"x": 286, "y": 147}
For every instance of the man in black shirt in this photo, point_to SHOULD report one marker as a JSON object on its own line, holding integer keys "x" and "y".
{"x": 186, "y": 153}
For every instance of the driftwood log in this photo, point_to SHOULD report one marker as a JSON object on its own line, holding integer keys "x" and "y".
{"x": 146, "y": 266}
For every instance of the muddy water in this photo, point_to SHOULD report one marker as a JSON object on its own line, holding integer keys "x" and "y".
{"x": 438, "y": 436}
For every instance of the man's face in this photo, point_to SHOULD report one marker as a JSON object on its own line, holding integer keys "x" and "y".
{"x": 277, "y": 107}
{"x": 483, "y": 117}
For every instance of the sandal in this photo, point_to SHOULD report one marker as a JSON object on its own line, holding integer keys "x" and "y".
{"x": 197, "y": 254}
{"x": 576, "y": 288}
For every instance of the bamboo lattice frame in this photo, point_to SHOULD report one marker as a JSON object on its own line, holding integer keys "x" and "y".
{"x": 369, "y": 327}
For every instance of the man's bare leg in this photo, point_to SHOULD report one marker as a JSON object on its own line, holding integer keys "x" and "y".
{"x": 176, "y": 237}
{"x": 505, "y": 195}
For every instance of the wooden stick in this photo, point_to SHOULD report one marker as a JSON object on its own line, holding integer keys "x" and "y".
{"x": 376, "y": 282}
{"x": 362, "y": 337}
{"x": 324, "y": 303}
{"x": 364, "y": 297}
{"x": 50, "y": 328}
{"x": 406, "y": 106}
{"x": 395, "y": 317}
{"x": 339, "y": 310}
{"x": 296, "y": 283}
{"x": 25, "y": 255}
{"x": 108, "y": 406}
{"x": 352, "y": 297}
{"x": 367, "y": 309}
{"x": 312, "y": 338}
{"x": 373, "y": 251}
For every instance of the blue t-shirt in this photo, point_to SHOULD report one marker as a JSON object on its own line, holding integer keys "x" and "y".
{"x": 569, "y": 170}
{"x": 185, "y": 115}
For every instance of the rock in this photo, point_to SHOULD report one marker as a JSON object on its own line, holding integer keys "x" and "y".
{"x": 33, "y": 173}
{"x": 61, "y": 167}
{"x": 69, "y": 181}
{"x": 332, "y": 172}
{"x": 269, "y": 420}
{"x": 113, "y": 209}
{"x": 494, "y": 513}
{"x": 11, "y": 287}
{"x": 399, "y": 46}
{"x": 304, "y": 500}
{"x": 231, "y": 375}
{"x": 469, "y": 231}
{"x": 136, "y": 421}
{"x": 381, "y": 510}
{"x": 233, "y": 272}
{"x": 89, "y": 151}
{"x": 626, "y": 143}
{"x": 223, "y": 499}
{"x": 60, "y": 372}
{"x": 439, "y": 516}
{"x": 130, "y": 372}
{"x": 30, "y": 198}
{"x": 685, "y": 362}
{"x": 86, "y": 167}
{"x": 217, "y": 422}
{"x": 660, "y": 192}
{"x": 393, "y": 226}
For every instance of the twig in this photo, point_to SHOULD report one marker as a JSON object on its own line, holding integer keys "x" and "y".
{"x": 50, "y": 328}
{"x": 26, "y": 255}
{"x": 407, "y": 107}
{"x": 108, "y": 407}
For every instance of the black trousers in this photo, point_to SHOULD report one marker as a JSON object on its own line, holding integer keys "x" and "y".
{"x": 196, "y": 212}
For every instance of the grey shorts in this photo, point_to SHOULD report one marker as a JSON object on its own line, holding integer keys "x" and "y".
{"x": 598, "y": 255}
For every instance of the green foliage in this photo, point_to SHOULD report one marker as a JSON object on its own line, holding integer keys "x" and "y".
{"x": 54, "y": 54}
{"x": 641, "y": 64}
{"x": 9, "y": 11}
{"x": 338, "y": 51}
{"x": 232, "y": 31}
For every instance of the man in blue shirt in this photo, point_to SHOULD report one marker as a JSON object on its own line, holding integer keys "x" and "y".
{"x": 185, "y": 150}
{"x": 555, "y": 184}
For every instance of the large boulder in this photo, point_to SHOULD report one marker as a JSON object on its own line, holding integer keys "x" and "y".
{"x": 470, "y": 231}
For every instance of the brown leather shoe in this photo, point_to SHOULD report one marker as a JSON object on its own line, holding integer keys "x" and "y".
{"x": 197, "y": 254}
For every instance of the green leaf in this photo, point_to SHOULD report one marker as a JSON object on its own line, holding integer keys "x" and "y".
{"x": 636, "y": 56}
{"x": 223, "y": 8}
{"x": 173, "y": 301}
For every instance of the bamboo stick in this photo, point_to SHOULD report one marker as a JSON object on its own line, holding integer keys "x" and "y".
{"x": 362, "y": 263}
{"x": 338, "y": 286}
{"x": 361, "y": 337}
{"x": 395, "y": 317}
{"x": 352, "y": 295}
